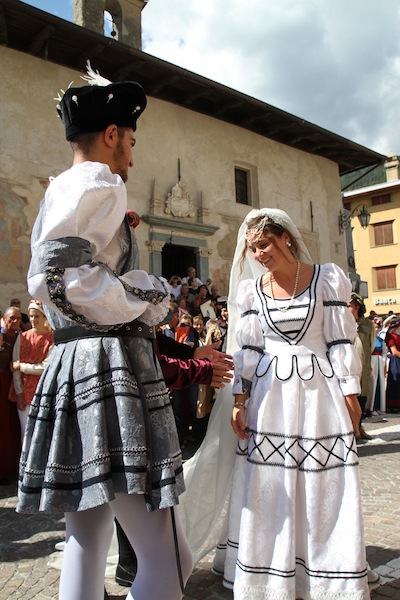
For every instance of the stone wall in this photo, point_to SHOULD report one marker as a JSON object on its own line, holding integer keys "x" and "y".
{"x": 33, "y": 148}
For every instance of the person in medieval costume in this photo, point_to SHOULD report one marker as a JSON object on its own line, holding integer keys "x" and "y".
{"x": 291, "y": 525}
{"x": 100, "y": 440}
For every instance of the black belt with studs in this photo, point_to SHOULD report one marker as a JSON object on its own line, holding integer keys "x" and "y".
{"x": 76, "y": 332}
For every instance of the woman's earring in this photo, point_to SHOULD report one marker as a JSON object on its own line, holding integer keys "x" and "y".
{"x": 288, "y": 244}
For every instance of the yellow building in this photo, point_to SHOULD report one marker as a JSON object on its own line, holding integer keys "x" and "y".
{"x": 376, "y": 248}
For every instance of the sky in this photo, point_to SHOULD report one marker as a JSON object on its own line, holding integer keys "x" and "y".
{"x": 335, "y": 63}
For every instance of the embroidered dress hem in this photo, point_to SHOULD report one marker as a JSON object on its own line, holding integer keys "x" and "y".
{"x": 260, "y": 593}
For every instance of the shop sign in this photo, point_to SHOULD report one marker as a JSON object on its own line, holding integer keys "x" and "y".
{"x": 386, "y": 301}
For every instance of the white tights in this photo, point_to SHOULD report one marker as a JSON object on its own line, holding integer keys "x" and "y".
{"x": 88, "y": 537}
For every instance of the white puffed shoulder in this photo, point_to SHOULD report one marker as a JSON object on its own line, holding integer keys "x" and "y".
{"x": 245, "y": 295}
{"x": 340, "y": 328}
{"x": 86, "y": 175}
{"x": 249, "y": 336}
{"x": 86, "y": 201}
{"x": 335, "y": 284}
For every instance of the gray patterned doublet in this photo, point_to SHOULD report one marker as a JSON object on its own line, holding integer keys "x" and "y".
{"x": 101, "y": 420}
{"x": 87, "y": 437}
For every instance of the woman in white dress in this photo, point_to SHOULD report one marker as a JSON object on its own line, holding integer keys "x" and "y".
{"x": 295, "y": 524}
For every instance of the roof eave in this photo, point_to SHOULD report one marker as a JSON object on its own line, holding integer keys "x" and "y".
{"x": 28, "y": 29}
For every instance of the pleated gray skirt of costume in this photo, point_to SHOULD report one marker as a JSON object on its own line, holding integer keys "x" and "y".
{"x": 100, "y": 423}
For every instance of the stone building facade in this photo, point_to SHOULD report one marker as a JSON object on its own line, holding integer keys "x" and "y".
{"x": 184, "y": 183}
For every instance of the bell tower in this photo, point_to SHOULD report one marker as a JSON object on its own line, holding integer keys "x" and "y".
{"x": 126, "y": 16}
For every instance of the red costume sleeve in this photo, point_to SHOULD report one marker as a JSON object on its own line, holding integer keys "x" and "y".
{"x": 181, "y": 372}
{"x": 173, "y": 349}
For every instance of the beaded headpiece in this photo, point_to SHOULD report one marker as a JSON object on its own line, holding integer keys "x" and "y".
{"x": 279, "y": 217}
{"x": 258, "y": 230}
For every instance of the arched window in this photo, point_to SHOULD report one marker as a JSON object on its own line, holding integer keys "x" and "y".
{"x": 113, "y": 19}
{"x": 110, "y": 29}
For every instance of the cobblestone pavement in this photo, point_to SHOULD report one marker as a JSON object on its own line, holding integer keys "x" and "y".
{"x": 27, "y": 541}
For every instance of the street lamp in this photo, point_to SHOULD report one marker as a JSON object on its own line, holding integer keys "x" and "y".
{"x": 345, "y": 219}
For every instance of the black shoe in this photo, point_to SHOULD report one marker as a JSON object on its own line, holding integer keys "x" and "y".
{"x": 125, "y": 575}
{"x": 364, "y": 435}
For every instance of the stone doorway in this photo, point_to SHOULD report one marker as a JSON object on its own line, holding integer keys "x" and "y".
{"x": 176, "y": 260}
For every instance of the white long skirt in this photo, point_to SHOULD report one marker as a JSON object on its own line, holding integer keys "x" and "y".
{"x": 295, "y": 527}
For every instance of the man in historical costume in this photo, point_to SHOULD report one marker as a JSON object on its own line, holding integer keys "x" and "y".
{"x": 101, "y": 440}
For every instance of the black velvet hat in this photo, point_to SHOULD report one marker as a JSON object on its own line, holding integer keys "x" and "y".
{"x": 96, "y": 106}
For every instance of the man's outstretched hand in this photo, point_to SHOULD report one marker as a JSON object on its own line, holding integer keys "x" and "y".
{"x": 222, "y": 363}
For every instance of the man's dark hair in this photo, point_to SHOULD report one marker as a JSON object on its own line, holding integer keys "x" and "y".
{"x": 84, "y": 141}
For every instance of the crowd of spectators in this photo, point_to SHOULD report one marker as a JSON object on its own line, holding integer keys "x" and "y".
{"x": 26, "y": 341}
{"x": 378, "y": 344}
{"x": 199, "y": 298}
{"x": 199, "y": 316}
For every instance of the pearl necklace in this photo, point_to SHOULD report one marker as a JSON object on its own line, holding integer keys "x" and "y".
{"x": 296, "y": 281}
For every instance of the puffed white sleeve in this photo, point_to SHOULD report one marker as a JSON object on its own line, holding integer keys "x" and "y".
{"x": 340, "y": 329}
{"x": 84, "y": 239}
{"x": 249, "y": 337}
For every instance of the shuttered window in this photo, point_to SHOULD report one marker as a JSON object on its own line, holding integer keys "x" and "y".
{"x": 386, "y": 278}
{"x": 383, "y": 233}
{"x": 383, "y": 199}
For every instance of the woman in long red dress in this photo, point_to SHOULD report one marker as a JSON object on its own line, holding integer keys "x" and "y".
{"x": 393, "y": 378}
{"x": 30, "y": 357}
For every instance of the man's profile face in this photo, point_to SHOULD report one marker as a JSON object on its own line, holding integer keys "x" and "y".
{"x": 123, "y": 158}
{"x": 353, "y": 309}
